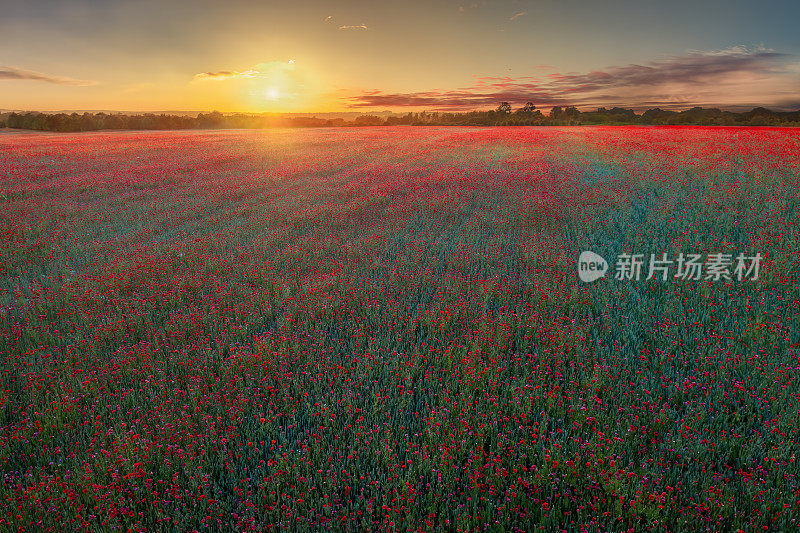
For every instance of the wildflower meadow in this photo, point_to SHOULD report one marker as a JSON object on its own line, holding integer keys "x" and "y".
{"x": 383, "y": 329}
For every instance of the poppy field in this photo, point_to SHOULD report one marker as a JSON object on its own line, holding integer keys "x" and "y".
{"x": 383, "y": 329}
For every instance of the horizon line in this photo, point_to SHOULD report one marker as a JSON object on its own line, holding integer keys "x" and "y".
{"x": 738, "y": 108}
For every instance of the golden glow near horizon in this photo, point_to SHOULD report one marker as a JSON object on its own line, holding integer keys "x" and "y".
{"x": 272, "y": 86}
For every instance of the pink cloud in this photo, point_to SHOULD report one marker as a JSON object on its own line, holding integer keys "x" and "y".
{"x": 732, "y": 77}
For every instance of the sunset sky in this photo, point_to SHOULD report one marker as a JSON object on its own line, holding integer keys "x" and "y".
{"x": 317, "y": 56}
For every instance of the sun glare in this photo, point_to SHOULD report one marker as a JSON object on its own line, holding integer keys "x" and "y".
{"x": 272, "y": 93}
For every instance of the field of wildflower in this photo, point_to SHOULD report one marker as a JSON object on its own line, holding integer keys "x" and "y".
{"x": 383, "y": 329}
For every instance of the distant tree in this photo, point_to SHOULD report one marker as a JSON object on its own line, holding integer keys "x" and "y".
{"x": 527, "y": 115}
{"x": 87, "y": 122}
{"x": 306, "y": 122}
{"x": 215, "y": 119}
{"x": 14, "y": 120}
{"x": 37, "y": 121}
{"x": 405, "y": 120}
{"x": 57, "y": 122}
{"x": 114, "y": 122}
{"x": 620, "y": 113}
{"x": 368, "y": 120}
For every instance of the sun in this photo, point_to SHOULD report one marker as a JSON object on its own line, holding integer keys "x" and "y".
{"x": 275, "y": 86}
{"x": 272, "y": 93}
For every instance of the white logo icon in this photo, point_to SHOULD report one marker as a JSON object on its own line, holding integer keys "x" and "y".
{"x": 591, "y": 266}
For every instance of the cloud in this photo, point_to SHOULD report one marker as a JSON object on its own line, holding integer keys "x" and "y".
{"x": 357, "y": 27}
{"x": 698, "y": 68}
{"x": 261, "y": 71}
{"x": 14, "y": 73}
{"x": 222, "y": 75}
{"x": 729, "y": 77}
{"x": 518, "y": 15}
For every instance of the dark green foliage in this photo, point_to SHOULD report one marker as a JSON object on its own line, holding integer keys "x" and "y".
{"x": 527, "y": 115}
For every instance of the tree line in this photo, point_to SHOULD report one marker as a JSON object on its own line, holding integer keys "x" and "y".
{"x": 503, "y": 115}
